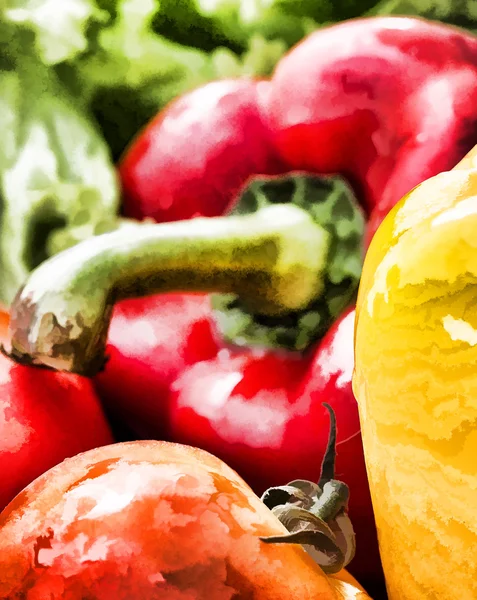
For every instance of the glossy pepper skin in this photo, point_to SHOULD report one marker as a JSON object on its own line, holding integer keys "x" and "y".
{"x": 261, "y": 410}
{"x": 191, "y": 388}
{"x": 45, "y": 417}
{"x": 360, "y": 139}
{"x": 416, "y": 356}
{"x": 151, "y": 341}
{"x": 148, "y": 521}
{"x": 262, "y": 413}
{"x": 195, "y": 156}
{"x": 387, "y": 102}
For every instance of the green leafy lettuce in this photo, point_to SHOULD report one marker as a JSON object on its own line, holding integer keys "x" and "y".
{"x": 462, "y": 13}
{"x": 56, "y": 171}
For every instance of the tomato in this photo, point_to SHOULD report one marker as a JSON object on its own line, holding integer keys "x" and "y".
{"x": 149, "y": 521}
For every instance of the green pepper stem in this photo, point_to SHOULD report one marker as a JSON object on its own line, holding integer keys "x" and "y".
{"x": 275, "y": 259}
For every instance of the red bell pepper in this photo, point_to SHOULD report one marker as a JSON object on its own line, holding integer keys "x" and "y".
{"x": 387, "y": 102}
{"x": 197, "y": 154}
{"x": 45, "y": 417}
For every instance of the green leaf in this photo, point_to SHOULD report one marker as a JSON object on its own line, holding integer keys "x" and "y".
{"x": 134, "y": 72}
{"x": 457, "y": 12}
{"x": 60, "y": 26}
{"x": 138, "y": 53}
{"x": 55, "y": 171}
{"x": 286, "y": 21}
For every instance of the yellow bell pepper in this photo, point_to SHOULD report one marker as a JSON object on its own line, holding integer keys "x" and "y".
{"x": 416, "y": 384}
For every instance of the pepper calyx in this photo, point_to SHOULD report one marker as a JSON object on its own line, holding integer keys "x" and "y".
{"x": 331, "y": 203}
{"x": 315, "y": 515}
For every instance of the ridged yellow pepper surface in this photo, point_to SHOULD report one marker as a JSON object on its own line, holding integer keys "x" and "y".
{"x": 416, "y": 384}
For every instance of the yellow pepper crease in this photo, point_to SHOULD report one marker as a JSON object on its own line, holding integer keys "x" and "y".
{"x": 416, "y": 383}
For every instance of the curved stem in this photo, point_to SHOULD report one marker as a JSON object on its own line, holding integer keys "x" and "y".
{"x": 329, "y": 459}
{"x": 274, "y": 259}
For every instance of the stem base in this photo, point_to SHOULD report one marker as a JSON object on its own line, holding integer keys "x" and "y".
{"x": 331, "y": 204}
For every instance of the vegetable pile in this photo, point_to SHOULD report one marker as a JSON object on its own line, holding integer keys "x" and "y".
{"x": 188, "y": 192}
{"x": 80, "y": 78}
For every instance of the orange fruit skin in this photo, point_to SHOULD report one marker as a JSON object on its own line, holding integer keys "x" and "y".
{"x": 4, "y": 322}
{"x": 147, "y": 521}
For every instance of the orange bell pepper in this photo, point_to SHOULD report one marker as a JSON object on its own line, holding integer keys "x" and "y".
{"x": 188, "y": 524}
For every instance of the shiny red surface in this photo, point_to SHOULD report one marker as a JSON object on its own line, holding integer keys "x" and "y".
{"x": 262, "y": 414}
{"x": 148, "y": 521}
{"x": 196, "y": 155}
{"x": 387, "y": 102}
{"x": 151, "y": 341}
{"x": 45, "y": 417}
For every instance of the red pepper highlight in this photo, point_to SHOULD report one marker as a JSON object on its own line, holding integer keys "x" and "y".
{"x": 45, "y": 417}
{"x": 195, "y": 156}
{"x": 386, "y": 102}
